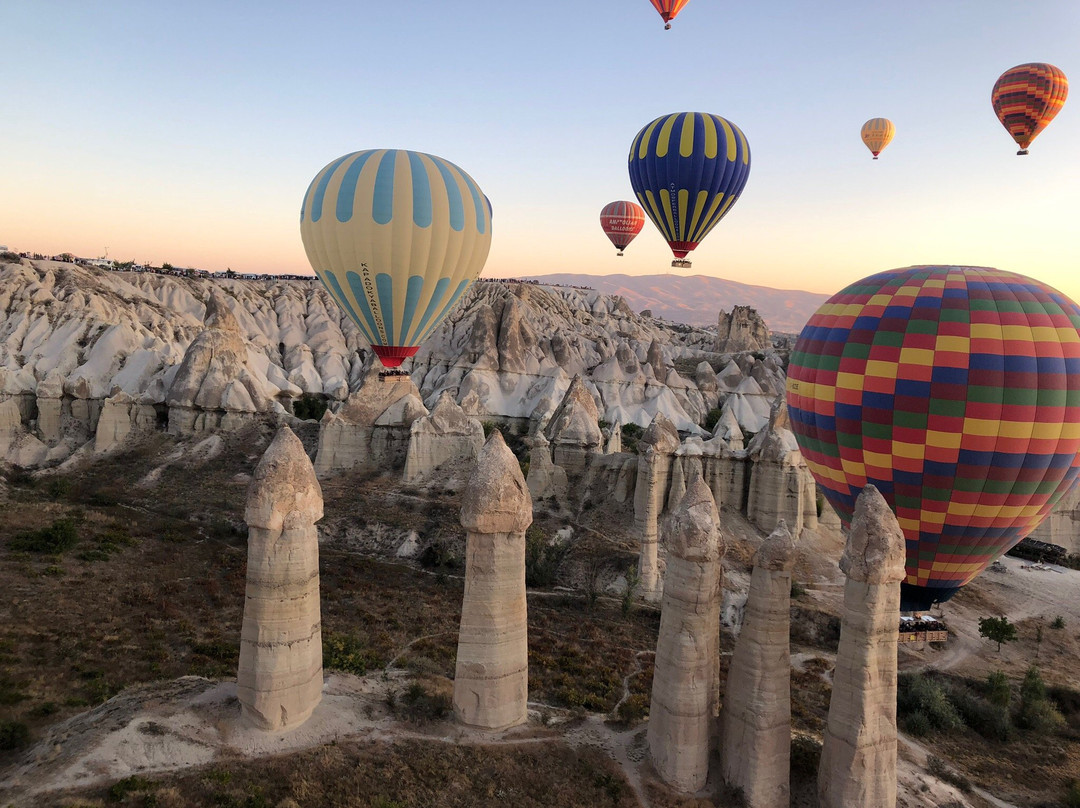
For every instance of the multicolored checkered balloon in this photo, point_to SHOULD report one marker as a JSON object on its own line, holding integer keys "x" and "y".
{"x": 955, "y": 391}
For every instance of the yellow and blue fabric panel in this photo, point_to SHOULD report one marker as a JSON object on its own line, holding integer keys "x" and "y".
{"x": 396, "y": 237}
{"x": 1027, "y": 97}
{"x": 687, "y": 170}
{"x": 955, "y": 391}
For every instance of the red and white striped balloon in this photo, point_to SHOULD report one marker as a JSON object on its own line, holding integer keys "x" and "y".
{"x": 622, "y": 221}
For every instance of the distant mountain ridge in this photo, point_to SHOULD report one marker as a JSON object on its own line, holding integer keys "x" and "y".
{"x": 696, "y": 299}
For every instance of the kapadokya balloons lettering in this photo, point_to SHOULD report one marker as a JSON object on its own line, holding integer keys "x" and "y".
{"x": 396, "y": 237}
{"x": 669, "y": 9}
{"x": 1026, "y": 98}
{"x": 877, "y": 133}
{"x": 688, "y": 169}
{"x": 622, "y": 221}
{"x": 955, "y": 391}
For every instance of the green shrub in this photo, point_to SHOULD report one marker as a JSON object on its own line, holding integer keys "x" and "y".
{"x": 920, "y": 693}
{"x": 1036, "y": 711}
{"x": 1058, "y": 622}
{"x": 631, "y": 433}
{"x": 58, "y": 487}
{"x": 633, "y": 582}
{"x": 13, "y": 735}
{"x": 310, "y": 407}
{"x": 805, "y": 756}
{"x": 711, "y": 418}
{"x": 988, "y": 719}
{"x": 342, "y": 652}
{"x": 420, "y": 705}
{"x": 633, "y": 709}
{"x": 121, "y": 788}
{"x": 60, "y": 536}
{"x": 916, "y": 724}
{"x": 999, "y": 692}
{"x": 543, "y": 559}
{"x": 797, "y": 589}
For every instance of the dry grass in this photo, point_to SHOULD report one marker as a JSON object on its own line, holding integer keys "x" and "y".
{"x": 408, "y": 774}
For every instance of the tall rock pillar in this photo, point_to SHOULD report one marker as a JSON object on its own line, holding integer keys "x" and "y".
{"x": 656, "y": 450}
{"x": 279, "y": 681}
{"x": 491, "y": 681}
{"x": 858, "y": 758}
{"x": 755, "y": 746}
{"x": 687, "y": 650}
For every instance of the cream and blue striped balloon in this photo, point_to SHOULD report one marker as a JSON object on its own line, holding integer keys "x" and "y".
{"x": 396, "y": 237}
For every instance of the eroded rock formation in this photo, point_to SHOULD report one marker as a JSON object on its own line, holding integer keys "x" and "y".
{"x": 755, "y": 745}
{"x": 684, "y": 695}
{"x": 858, "y": 757}
{"x": 279, "y": 680}
{"x": 491, "y": 679}
{"x": 574, "y": 429}
{"x": 741, "y": 329}
{"x": 546, "y": 480}
{"x": 444, "y": 435}
{"x": 656, "y": 449}
{"x": 371, "y": 428}
{"x": 214, "y": 386}
{"x": 781, "y": 486}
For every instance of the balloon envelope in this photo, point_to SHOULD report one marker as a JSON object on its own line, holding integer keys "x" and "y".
{"x": 396, "y": 237}
{"x": 622, "y": 221}
{"x": 1026, "y": 98}
{"x": 877, "y": 133}
{"x": 688, "y": 169}
{"x": 669, "y": 9}
{"x": 955, "y": 391}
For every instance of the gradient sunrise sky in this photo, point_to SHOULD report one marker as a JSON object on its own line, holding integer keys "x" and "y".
{"x": 188, "y": 132}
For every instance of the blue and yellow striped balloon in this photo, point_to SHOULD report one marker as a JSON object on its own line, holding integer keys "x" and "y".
{"x": 688, "y": 169}
{"x": 396, "y": 237}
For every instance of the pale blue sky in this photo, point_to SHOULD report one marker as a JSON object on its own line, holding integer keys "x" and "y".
{"x": 188, "y": 132}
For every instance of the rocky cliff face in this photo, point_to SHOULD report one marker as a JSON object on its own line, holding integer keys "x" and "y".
{"x": 741, "y": 329}
{"x": 204, "y": 353}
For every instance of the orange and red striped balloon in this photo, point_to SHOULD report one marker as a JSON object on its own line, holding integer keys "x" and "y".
{"x": 622, "y": 221}
{"x": 1027, "y": 97}
{"x": 669, "y": 9}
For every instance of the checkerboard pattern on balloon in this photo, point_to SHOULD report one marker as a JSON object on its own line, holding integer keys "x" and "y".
{"x": 954, "y": 390}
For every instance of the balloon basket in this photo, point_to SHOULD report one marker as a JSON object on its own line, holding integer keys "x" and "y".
{"x": 1021, "y": 152}
{"x": 681, "y": 263}
{"x": 618, "y": 254}
{"x": 667, "y": 27}
{"x": 392, "y": 376}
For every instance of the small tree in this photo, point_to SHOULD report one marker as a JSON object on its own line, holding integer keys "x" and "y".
{"x": 997, "y": 629}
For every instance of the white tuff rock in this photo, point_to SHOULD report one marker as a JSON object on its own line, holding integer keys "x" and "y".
{"x": 858, "y": 756}
{"x": 491, "y": 680}
{"x": 279, "y": 680}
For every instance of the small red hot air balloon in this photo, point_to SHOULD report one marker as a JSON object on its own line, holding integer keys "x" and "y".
{"x": 669, "y": 9}
{"x": 1026, "y": 98}
{"x": 622, "y": 221}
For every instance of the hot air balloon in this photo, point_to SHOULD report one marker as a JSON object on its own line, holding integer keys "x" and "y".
{"x": 622, "y": 221}
{"x": 688, "y": 169}
{"x": 877, "y": 133}
{"x": 955, "y": 391}
{"x": 396, "y": 237}
{"x": 1026, "y": 98}
{"x": 669, "y": 9}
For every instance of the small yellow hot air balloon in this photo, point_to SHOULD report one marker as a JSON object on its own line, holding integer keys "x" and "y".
{"x": 877, "y": 133}
{"x": 396, "y": 237}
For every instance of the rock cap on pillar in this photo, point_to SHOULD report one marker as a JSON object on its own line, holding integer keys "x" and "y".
{"x": 496, "y": 499}
{"x": 283, "y": 484}
{"x": 777, "y": 552}
{"x": 661, "y": 436}
{"x": 691, "y": 529}
{"x": 875, "y": 550}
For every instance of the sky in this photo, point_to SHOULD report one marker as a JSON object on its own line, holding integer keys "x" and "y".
{"x": 188, "y": 132}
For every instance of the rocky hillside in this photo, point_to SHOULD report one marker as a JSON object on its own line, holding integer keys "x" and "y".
{"x": 199, "y": 353}
{"x": 696, "y": 299}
